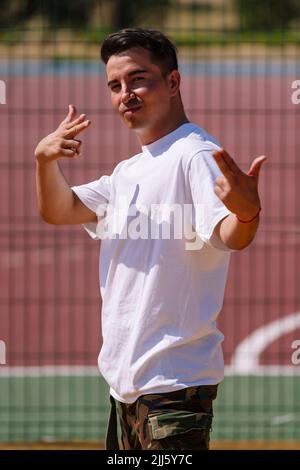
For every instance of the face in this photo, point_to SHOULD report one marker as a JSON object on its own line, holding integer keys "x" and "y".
{"x": 139, "y": 92}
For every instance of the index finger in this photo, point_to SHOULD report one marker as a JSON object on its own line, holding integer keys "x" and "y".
{"x": 225, "y": 169}
{"x": 75, "y": 130}
{"x": 229, "y": 161}
{"x": 71, "y": 114}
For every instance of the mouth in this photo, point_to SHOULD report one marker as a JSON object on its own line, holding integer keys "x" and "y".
{"x": 129, "y": 111}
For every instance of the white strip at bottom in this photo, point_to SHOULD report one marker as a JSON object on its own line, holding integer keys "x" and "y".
{"x": 92, "y": 371}
{"x": 48, "y": 371}
{"x": 260, "y": 370}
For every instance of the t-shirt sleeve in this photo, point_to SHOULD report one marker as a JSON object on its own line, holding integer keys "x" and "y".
{"x": 95, "y": 196}
{"x": 208, "y": 209}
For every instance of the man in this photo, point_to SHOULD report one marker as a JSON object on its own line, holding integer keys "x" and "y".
{"x": 161, "y": 352}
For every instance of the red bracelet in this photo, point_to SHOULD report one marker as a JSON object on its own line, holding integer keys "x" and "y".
{"x": 248, "y": 221}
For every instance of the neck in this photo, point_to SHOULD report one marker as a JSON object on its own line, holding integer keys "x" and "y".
{"x": 162, "y": 128}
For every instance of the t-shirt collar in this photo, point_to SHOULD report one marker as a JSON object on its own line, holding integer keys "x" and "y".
{"x": 161, "y": 145}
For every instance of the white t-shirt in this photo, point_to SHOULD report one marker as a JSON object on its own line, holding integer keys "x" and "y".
{"x": 161, "y": 295}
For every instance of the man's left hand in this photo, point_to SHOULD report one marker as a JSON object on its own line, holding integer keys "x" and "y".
{"x": 238, "y": 190}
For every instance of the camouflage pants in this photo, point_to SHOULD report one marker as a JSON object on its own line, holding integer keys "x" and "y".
{"x": 177, "y": 420}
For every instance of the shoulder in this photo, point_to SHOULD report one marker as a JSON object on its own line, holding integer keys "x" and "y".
{"x": 197, "y": 148}
{"x": 199, "y": 140}
{"x": 124, "y": 164}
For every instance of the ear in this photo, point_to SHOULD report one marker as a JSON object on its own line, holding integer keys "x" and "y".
{"x": 174, "y": 82}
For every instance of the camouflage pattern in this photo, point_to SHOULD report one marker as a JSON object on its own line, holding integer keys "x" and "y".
{"x": 179, "y": 420}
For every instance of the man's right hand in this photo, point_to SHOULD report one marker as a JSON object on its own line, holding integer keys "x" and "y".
{"x": 62, "y": 142}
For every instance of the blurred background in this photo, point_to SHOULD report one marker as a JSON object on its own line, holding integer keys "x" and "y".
{"x": 239, "y": 61}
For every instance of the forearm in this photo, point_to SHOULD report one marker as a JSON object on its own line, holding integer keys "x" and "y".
{"x": 55, "y": 197}
{"x": 237, "y": 235}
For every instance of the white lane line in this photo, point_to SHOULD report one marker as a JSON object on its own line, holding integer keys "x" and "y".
{"x": 77, "y": 371}
{"x": 246, "y": 355}
{"x": 281, "y": 419}
{"x": 48, "y": 371}
{"x": 261, "y": 370}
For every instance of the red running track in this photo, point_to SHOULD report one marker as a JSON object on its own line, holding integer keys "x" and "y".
{"x": 49, "y": 275}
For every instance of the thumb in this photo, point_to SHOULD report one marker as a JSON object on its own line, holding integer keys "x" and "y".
{"x": 256, "y": 166}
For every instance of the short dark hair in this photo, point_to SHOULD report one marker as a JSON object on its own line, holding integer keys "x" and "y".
{"x": 163, "y": 51}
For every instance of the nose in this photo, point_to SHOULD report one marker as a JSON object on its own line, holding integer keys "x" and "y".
{"x": 127, "y": 95}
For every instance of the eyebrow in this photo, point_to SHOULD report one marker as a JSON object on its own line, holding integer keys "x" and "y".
{"x": 133, "y": 72}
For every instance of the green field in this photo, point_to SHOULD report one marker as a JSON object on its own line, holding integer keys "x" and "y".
{"x": 76, "y": 408}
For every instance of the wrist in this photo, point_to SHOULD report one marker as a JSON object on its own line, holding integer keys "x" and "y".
{"x": 247, "y": 221}
{"x": 43, "y": 159}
